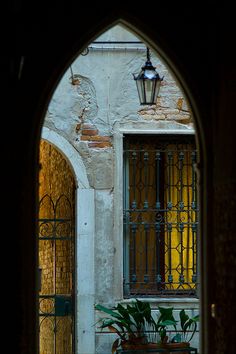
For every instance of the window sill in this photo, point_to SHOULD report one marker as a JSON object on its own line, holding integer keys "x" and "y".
{"x": 167, "y": 301}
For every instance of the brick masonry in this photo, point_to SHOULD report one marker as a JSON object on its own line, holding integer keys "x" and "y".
{"x": 90, "y": 134}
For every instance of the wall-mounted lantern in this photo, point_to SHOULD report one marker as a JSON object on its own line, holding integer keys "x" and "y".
{"x": 148, "y": 83}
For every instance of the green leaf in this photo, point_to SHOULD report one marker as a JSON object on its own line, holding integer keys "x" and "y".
{"x": 115, "y": 345}
{"x": 166, "y": 313}
{"x": 196, "y": 318}
{"x": 106, "y": 322}
{"x": 108, "y": 311}
{"x": 167, "y": 323}
{"x": 183, "y": 318}
{"x": 189, "y": 323}
{"x": 123, "y": 311}
{"x": 177, "y": 338}
{"x": 194, "y": 330}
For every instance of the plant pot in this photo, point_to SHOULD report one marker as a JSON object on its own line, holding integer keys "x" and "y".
{"x": 181, "y": 345}
{"x": 144, "y": 346}
{"x": 136, "y": 343}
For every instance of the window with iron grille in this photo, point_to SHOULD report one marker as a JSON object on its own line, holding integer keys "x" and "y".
{"x": 160, "y": 215}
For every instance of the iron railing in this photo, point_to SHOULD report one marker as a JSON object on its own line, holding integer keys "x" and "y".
{"x": 160, "y": 215}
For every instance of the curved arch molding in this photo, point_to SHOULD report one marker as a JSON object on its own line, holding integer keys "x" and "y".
{"x": 71, "y": 155}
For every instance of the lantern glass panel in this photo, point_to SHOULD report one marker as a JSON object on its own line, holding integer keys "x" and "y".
{"x": 141, "y": 91}
{"x": 148, "y": 87}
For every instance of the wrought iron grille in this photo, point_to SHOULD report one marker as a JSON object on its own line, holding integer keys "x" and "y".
{"x": 160, "y": 215}
{"x": 56, "y": 261}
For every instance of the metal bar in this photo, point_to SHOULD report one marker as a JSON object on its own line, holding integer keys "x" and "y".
{"x": 195, "y": 274}
{"x": 189, "y": 190}
{"x": 46, "y": 296}
{"x": 170, "y": 163}
{"x": 54, "y": 281}
{"x": 194, "y": 217}
{"x": 146, "y": 276}
{"x": 158, "y": 253}
{"x": 169, "y": 231}
{"x": 158, "y": 161}
{"x": 54, "y": 220}
{"x": 174, "y": 224}
{"x": 55, "y": 336}
{"x": 180, "y": 208}
{"x": 126, "y": 217}
{"x": 133, "y": 230}
{"x": 190, "y": 350}
{"x": 194, "y": 250}
{"x": 134, "y": 159}
{"x": 181, "y": 159}
{"x": 146, "y": 159}
{"x": 181, "y": 229}
{"x": 48, "y": 238}
{"x": 193, "y": 156}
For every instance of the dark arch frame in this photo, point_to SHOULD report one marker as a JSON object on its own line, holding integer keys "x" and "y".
{"x": 175, "y": 72}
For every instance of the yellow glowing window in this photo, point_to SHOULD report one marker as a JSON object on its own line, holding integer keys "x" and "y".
{"x": 160, "y": 215}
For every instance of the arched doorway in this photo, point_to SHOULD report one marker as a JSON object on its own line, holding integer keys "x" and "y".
{"x": 62, "y": 170}
{"x": 56, "y": 238}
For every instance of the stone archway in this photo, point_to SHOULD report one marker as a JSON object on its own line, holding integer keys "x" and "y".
{"x": 83, "y": 251}
{"x": 62, "y": 142}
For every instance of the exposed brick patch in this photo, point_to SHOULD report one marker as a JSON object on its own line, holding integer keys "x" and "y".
{"x": 90, "y": 134}
{"x": 99, "y": 144}
{"x": 102, "y": 138}
{"x": 169, "y": 110}
{"x": 85, "y": 137}
{"x": 184, "y": 120}
{"x": 180, "y": 103}
{"x": 98, "y": 138}
{"x": 82, "y": 127}
{"x": 88, "y": 126}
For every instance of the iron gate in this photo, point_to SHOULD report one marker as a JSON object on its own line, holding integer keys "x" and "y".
{"x": 56, "y": 265}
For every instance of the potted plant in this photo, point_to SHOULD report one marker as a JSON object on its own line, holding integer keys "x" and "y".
{"x": 161, "y": 323}
{"x": 135, "y": 325}
{"x": 128, "y": 322}
{"x": 183, "y": 337}
{"x": 138, "y": 328}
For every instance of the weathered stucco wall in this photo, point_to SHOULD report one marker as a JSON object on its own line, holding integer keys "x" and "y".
{"x": 104, "y": 90}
